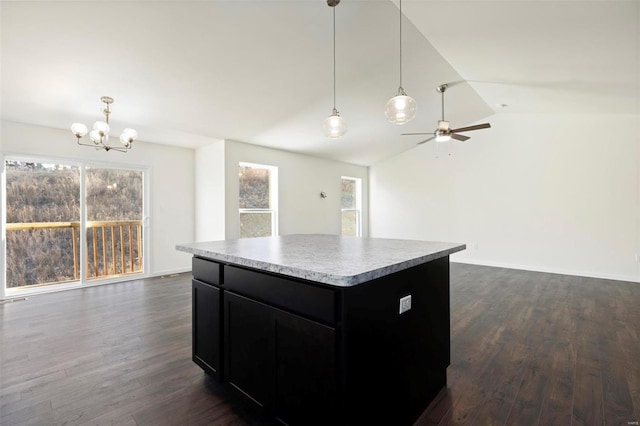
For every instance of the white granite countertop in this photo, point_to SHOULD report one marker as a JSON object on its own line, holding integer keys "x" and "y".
{"x": 329, "y": 259}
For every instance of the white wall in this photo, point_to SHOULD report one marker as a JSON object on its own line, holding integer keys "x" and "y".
{"x": 210, "y": 190}
{"x": 301, "y": 178}
{"x": 172, "y": 183}
{"x": 556, "y": 193}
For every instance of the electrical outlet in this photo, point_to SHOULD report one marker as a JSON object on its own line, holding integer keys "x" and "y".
{"x": 405, "y": 304}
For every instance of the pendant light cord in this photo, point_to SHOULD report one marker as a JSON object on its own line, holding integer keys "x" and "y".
{"x": 334, "y": 58}
{"x": 442, "y": 93}
{"x": 400, "y": 43}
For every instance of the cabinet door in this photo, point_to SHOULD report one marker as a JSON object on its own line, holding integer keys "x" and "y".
{"x": 249, "y": 347}
{"x": 283, "y": 362}
{"x": 306, "y": 391}
{"x": 207, "y": 328}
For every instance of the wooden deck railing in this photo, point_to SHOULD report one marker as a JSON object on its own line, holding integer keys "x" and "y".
{"x": 113, "y": 247}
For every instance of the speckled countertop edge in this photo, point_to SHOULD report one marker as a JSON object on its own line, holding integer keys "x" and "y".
{"x": 267, "y": 254}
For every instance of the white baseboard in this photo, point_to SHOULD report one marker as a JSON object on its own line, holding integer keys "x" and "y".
{"x": 590, "y": 274}
{"x": 169, "y": 272}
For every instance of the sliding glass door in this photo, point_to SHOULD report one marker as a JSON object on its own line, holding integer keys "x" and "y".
{"x": 56, "y": 237}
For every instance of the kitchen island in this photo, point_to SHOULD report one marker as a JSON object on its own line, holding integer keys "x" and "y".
{"x": 323, "y": 329}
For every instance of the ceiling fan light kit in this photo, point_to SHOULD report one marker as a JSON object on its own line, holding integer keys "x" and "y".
{"x": 334, "y": 126}
{"x": 442, "y": 137}
{"x": 99, "y": 135}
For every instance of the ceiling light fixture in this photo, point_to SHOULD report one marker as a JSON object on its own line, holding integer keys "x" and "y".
{"x": 100, "y": 133}
{"x": 401, "y": 108}
{"x": 334, "y": 126}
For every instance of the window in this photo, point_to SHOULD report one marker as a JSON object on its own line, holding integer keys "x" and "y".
{"x": 351, "y": 204}
{"x": 258, "y": 196}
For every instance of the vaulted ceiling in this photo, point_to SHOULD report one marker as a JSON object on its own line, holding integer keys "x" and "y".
{"x": 189, "y": 72}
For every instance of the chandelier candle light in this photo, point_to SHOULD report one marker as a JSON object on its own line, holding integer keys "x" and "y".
{"x": 401, "y": 108}
{"x": 334, "y": 126}
{"x": 100, "y": 133}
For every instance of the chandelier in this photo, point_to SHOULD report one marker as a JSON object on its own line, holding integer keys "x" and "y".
{"x": 100, "y": 133}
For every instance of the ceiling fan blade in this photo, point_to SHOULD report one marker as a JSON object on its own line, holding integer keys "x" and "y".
{"x": 426, "y": 140}
{"x": 469, "y": 128}
{"x": 412, "y": 134}
{"x": 459, "y": 137}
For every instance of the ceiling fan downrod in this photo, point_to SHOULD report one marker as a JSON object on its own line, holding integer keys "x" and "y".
{"x": 441, "y": 89}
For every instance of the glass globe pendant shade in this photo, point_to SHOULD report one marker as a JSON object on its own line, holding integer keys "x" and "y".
{"x": 79, "y": 129}
{"x": 128, "y": 136}
{"x": 401, "y": 108}
{"x": 101, "y": 127}
{"x": 334, "y": 126}
{"x": 95, "y": 136}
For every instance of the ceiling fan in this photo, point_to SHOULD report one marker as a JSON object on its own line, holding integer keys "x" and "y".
{"x": 443, "y": 133}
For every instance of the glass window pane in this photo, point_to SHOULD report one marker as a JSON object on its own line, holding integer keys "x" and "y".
{"x": 348, "y": 198}
{"x": 114, "y": 194}
{"x": 350, "y": 223}
{"x": 254, "y": 188}
{"x": 114, "y": 222}
{"x": 255, "y": 224}
{"x": 40, "y": 192}
{"x": 43, "y": 223}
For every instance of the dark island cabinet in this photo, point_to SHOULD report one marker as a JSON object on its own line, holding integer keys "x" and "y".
{"x": 311, "y": 353}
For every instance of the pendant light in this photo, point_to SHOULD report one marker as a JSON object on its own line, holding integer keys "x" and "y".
{"x": 334, "y": 126}
{"x": 401, "y": 108}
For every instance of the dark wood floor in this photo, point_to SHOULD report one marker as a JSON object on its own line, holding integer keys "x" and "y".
{"x": 526, "y": 349}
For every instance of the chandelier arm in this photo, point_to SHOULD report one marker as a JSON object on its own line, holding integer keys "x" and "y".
{"x": 87, "y": 144}
{"x": 101, "y": 145}
{"x": 118, "y": 149}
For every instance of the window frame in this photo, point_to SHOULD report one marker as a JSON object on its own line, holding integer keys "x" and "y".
{"x": 358, "y": 209}
{"x": 273, "y": 197}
